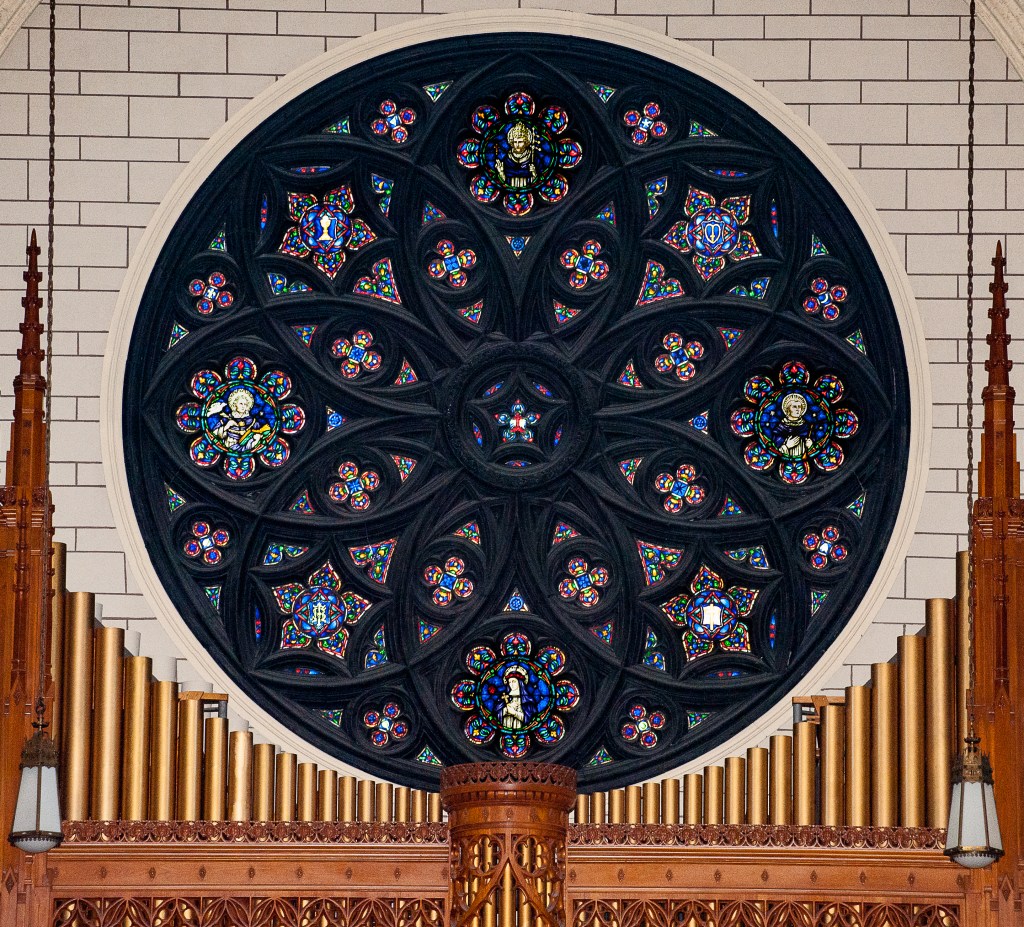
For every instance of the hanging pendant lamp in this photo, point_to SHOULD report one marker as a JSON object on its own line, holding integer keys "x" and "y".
{"x": 972, "y": 836}
{"x": 973, "y": 839}
{"x": 37, "y": 821}
{"x": 36, "y": 826}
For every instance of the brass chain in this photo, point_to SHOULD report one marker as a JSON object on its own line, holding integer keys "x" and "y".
{"x": 970, "y": 371}
{"x": 46, "y": 581}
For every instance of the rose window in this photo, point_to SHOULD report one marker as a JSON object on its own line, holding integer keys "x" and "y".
{"x": 476, "y": 410}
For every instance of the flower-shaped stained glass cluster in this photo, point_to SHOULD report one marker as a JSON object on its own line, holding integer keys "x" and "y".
{"x": 645, "y": 124}
{"x": 518, "y": 423}
{"x": 713, "y": 233}
{"x": 451, "y": 265}
{"x": 355, "y": 488}
{"x": 515, "y": 695}
{"x": 211, "y": 293}
{"x": 319, "y": 611}
{"x": 241, "y": 418}
{"x": 794, "y": 423}
{"x": 393, "y": 121}
{"x": 680, "y": 357}
{"x": 643, "y": 726}
{"x": 825, "y": 299}
{"x": 824, "y": 547}
{"x": 518, "y": 153}
{"x": 208, "y": 542}
{"x": 325, "y": 230}
{"x": 711, "y": 614}
{"x": 583, "y": 582}
{"x": 385, "y": 725}
{"x": 448, "y": 582}
{"x": 680, "y": 489}
{"x": 356, "y": 355}
{"x": 584, "y": 264}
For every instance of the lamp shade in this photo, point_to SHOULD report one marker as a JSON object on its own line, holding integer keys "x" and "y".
{"x": 973, "y": 839}
{"x": 37, "y": 823}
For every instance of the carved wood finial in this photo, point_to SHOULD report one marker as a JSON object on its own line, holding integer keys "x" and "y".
{"x": 998, "y": 472}
{"x": 31, "y": 353}
{"x": 26, "y": 459}
{"x": 998, "y": 365}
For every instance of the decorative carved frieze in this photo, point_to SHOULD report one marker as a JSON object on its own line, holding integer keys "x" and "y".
{"x": 255, "y": 832}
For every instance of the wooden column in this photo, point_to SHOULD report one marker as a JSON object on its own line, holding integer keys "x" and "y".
{"x": 496, "y": 813}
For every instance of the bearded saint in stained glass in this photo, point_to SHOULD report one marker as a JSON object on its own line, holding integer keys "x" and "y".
{"x": 234, "y": 425}
{"x": 514, "y": 157}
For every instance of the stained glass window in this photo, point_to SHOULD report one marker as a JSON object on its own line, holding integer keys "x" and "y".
{"x": 543, "y": 404}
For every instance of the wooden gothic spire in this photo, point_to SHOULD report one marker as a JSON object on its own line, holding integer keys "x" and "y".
{"x": 26, "y": 543}
{"x": 999, "y": 587}
{"x": 999, "y": 475}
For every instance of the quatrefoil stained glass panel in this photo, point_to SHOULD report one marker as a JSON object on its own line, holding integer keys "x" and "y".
{"x": 541, "y": 401}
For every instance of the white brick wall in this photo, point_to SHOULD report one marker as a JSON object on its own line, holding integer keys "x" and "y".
{"x": 144, "y": 84}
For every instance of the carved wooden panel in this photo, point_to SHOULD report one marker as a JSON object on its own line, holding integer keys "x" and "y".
{"x": 725, "y": 912}
{"x": 242, "y": 911}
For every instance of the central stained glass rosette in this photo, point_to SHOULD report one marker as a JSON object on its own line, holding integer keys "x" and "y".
{"x": 531, "y": 446}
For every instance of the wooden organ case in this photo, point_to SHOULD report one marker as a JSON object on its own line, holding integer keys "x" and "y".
{"x": 173, "y": 820}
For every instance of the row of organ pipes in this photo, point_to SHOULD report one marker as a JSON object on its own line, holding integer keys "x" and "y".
{"x": 136, "y": 748}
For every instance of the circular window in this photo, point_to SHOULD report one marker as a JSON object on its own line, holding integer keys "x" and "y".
{"x": 544, "y": 403}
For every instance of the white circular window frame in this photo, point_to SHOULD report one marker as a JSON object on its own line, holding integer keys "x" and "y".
{"x": 605, "y": 29}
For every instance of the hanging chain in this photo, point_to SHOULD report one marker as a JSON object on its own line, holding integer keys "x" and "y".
{"x": 46, "y": 582}
{"x": 970, "y": 373}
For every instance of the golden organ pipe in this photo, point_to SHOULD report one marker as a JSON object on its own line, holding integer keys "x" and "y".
{"x": 190, "y": 759}
{"x": 327, "y": 795}
{"x": 401, "y": 815}
{"x": 780, "y": 783}
{"x": 347, "y": 799}
{"x": 57, "y": 625}
{"x": 670, "y": 801}
{"x": 582, "y": 811}
{"x": 804, "y": 769}
{"x": 385, "y": 795}
{"x": 735, "y": 788}
{"x": 163, "y": 750}
{"x": 307, "y": 792}
{"x": 884, "y": 750}
{"x": 490, "y": 909}
{"x": 833, "y": 764}
{"x": 263, "y": 782}
{"x": 508, "y": 898}
{"x": 617, "y": 806}
{"x": 858, "y": 756}
{"x": 757, "y": 785}
{"x": 78, "y": 705}
{"x": 693, "y": 798}
{"x": 598, "y": 807}
{"x": 366, "y": 800}
{"x": 434, "y": 810}
{"x": 525, "y": 908}
{"x": 652, "y": 803}
{"x": 910, "y": 654}
{"x": 215, "y": 766}
{"x": 963, "y": 650}
{"x": 108, "y": 689}
{"x": 135, "y": 769}
{"x": 285, "y": 768}
{"x": 938, "y": 653}
{"x": 634, "y": 801}
{"x": 419, "y": 806}
{"x": 240, "y": 776}
{"x": 714, "y": 792}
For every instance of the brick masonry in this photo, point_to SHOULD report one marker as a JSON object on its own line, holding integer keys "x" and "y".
{"x": 144, "y": 83}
